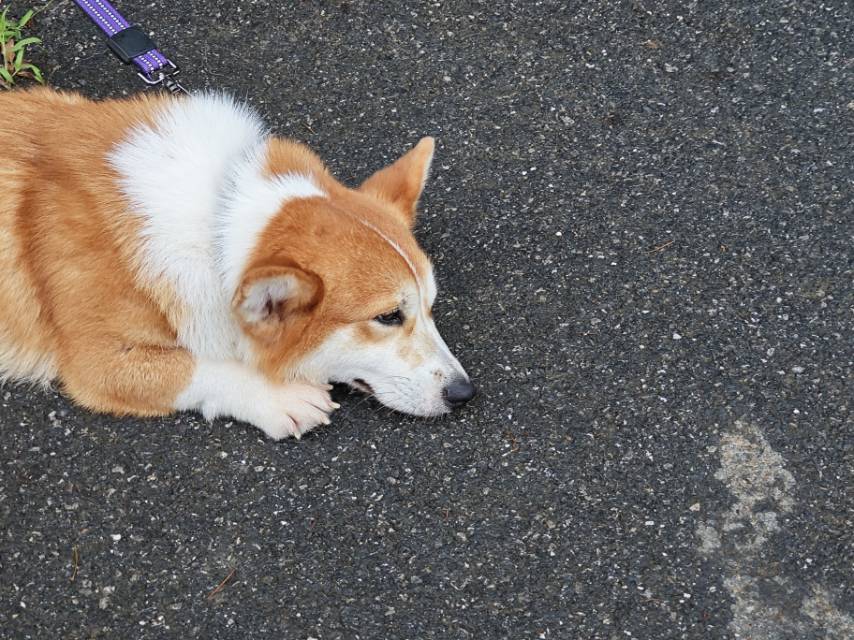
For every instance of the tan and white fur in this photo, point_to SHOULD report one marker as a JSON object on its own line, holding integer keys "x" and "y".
{"x": 161, "y": 254}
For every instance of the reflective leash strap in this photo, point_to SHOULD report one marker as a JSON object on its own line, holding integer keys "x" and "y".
{"x": 132, "y": 45}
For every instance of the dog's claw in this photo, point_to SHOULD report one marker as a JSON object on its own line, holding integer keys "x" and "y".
{"x": 293, "y": 409}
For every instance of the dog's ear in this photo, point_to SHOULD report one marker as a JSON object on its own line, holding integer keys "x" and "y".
{"x": 401, "y": 183}
{"x": 270, "y": 295}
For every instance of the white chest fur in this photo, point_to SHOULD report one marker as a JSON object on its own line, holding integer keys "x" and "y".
{"x": 195, "y": 179}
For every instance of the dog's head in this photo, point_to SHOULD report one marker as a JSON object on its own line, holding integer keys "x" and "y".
{"x": 337, "y": 289}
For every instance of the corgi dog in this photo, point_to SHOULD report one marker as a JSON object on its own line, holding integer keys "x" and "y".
{"x": 162, "y": 254}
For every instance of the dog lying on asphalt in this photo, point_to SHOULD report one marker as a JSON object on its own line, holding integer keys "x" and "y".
{"x": 162, "y": 254}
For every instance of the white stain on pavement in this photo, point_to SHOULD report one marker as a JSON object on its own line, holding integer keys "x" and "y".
{"x": 821, "y": 610}
{"x": 763, "y": 489}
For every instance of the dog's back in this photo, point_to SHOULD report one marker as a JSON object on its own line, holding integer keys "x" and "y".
{"x": 47, "y": 136}
{"x": 26, "y": 350}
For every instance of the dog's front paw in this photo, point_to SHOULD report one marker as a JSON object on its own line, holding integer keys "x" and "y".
{"x": 294, "y": 409}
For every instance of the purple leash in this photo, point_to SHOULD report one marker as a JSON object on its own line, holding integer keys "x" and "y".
{"x": 132, "y": 45}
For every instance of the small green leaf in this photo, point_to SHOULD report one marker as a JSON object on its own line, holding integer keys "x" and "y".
{"x": 14, "y": 48}
{"x": 27, "y": 17}
{"x": 20, "y": 44}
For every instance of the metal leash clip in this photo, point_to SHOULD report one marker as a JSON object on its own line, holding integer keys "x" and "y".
{"x": 166, "y": 77}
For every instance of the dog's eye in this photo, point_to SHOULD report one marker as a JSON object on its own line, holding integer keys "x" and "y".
{"x": 390, "y": 318}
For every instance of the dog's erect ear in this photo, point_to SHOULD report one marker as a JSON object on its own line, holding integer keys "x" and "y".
{"x": 270, "y": 295}
{"x": 401, "y": 183}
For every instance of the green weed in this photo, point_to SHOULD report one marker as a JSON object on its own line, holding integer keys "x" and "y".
{"x": 15, "y": 48}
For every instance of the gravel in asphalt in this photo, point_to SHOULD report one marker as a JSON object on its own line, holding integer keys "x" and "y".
{"x": 641, "y": 219}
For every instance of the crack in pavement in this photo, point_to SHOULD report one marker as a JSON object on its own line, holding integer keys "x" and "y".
{"x": 766, "y": 606}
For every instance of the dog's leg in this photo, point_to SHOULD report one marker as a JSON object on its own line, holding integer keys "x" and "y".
{"x": 232, "y": 389}
{"x": 149, "y": 380}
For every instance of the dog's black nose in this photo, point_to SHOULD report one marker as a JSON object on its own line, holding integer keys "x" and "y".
{"x": 458, "y": 392}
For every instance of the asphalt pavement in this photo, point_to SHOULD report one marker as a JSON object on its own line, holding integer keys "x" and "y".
{"x": 642, "y": 219}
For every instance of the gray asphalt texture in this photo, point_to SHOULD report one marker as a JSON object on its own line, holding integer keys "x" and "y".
{"x": 641, "y": 218}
